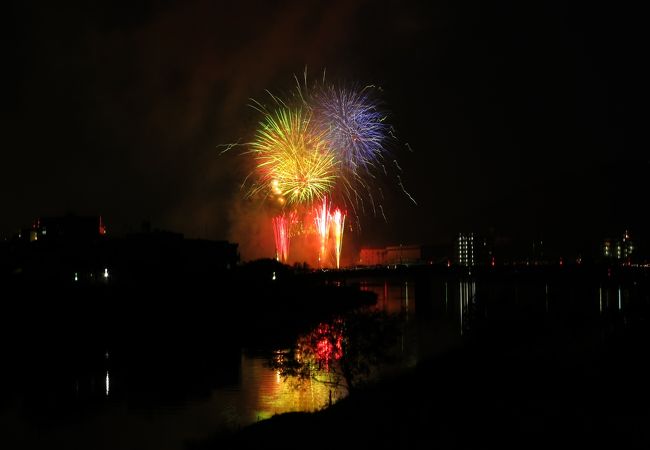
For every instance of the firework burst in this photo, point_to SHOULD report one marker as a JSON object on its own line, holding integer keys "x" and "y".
{"x": 351, "y": 122}
{"x": 317, "y": 154}
{"x": 295, "y": 164}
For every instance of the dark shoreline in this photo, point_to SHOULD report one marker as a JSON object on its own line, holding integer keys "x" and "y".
{"x": 559, "y": 389}
{"x": 573, "y": 377}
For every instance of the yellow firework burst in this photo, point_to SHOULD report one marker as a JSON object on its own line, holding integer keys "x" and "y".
{"x": 294, "y": 163}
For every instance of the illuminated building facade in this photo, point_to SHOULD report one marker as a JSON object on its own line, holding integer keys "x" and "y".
{"x": 465, "y": 249}
{"x": 395, "y": 254}
{"x": 402, "y": 255}
{"x": 372, "y": 256}
{"x": 620, "y": 249}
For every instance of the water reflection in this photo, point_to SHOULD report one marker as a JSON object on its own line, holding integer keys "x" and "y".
{"x": 400, "y": 298}
{"x": 159, "y": 397}
{"x": 446, "y": 297}
{"x": 616, "y": 298}
{"x": 619, "y": 299}
{"x": 393, "y": 297}
{"x": 270, "y": 392}
{"x": 600, "y": 299}
{"x": 315, "y": 357}
{"x": 343, "y": 353}
{"x": 466, "y": 297}
{"x": 406, "y": 298}
{"x": 546, "y": 296}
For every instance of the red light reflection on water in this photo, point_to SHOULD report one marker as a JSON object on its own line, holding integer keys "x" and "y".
{"x": 323, "y": 345}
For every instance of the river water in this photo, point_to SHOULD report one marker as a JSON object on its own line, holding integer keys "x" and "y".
{"x": 107, "y": 401}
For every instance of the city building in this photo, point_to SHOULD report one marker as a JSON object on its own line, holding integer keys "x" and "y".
{"x": 66, "y": 228}
{"x": 620, "y": 249}
{"x": 77, "y": 249}
{"x": 402, "y": 255}
{"x": 372, "y": 256}
{"x": 465, "y": 254}
{"x": 471, "y": 249}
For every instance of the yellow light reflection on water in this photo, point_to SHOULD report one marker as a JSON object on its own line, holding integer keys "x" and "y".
{"x": 276, "y": 394}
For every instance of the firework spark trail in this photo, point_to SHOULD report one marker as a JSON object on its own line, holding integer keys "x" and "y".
{"x": 404, "y": 190}
{"x": 228, "y": 147}
{"x": 281, "y": 229}
{"x": 382, "y": 213}
{"x": 338, "y": 222}
{"x": 372, "y": 203}
{"x": 293, "y": 162}
{"x": 322, "y": 218}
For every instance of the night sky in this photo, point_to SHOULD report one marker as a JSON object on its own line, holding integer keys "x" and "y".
{"x": 524, "y": 117}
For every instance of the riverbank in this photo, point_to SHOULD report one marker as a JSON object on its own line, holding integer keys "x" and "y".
{"x": 581, "y": 387}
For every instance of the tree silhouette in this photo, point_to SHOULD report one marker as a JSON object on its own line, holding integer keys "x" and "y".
{"x": 345, "y": 351}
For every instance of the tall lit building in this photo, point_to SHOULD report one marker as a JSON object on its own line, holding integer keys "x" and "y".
{"x": 627, "y": 246}
{"x": 465, "y": 250}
